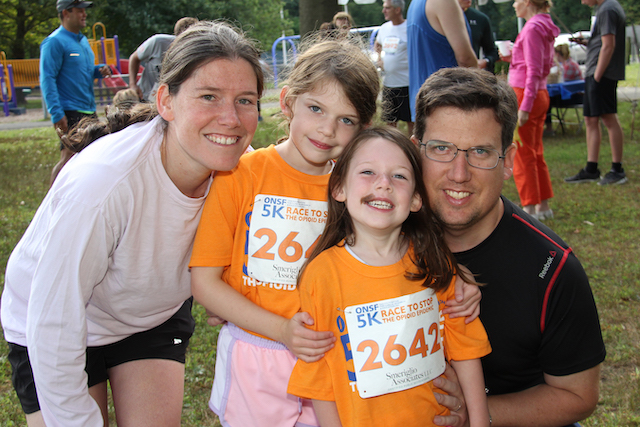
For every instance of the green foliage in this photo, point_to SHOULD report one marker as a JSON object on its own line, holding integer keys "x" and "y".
{"x": 632, "y": 10}
{"x": 566, "y": 13}
{"x": 23, "y": 25}
{"x": 134, "y": 22}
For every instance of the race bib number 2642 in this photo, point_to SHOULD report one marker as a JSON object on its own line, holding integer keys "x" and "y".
{"x": 395, "y": 343}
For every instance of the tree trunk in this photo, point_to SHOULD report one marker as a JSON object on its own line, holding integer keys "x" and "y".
{"x": 314, "y": 12}
{"x": 17, "y": 46}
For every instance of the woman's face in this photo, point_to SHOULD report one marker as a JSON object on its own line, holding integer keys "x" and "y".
{"x": 520, "y": 6}
{"x": 212, "y": 118}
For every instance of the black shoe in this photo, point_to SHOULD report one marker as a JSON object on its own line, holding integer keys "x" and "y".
{"x": 613, "y": 177}
{"x": 583, "y": 176}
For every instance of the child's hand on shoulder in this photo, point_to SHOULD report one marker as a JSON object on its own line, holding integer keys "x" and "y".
{"x": 467, "y": 299}
{"x": 306, "y": 344}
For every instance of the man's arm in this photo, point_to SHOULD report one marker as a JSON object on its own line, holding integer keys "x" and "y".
{"x": 134, "y": 65}
{"x": 560, "y": 401}
{"x": 446, "y": 17}
{"x": 604, "y": 58}
{"x": 488, "y": 45}
{"x": 51, "y": 58}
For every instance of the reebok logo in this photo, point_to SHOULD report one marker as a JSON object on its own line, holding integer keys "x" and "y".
{"x": 545, "y": 268}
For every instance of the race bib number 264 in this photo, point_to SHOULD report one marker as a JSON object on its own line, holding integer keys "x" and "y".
{"x": 282, "y": 235}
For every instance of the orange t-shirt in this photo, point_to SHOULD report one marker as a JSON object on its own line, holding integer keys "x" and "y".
{"x": 259, "y": 222}
{"x": 335, "y": 281}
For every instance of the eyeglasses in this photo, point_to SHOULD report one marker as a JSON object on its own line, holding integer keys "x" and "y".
{"x": 445, "y": 152}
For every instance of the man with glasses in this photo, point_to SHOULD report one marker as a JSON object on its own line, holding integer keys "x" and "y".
{"x": 537, "y": 305}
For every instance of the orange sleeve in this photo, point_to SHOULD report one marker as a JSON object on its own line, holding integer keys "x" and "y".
{"x": 312, "y": 380}
{"x": 213, "y": 245}
{"x": 463, "y": 341}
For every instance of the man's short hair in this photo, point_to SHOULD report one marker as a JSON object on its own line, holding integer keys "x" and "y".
{"x": 397, "y": 3}
{"x": 468, "y": 89}
{"x": 183, "y": 24}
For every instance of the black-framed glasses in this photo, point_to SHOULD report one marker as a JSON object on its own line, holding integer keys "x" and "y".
{"x": 446, "y": 152}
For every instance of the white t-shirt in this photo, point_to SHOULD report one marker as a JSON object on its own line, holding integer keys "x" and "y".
{"x": 105, "y": 256}
{"x": 393, "y": 39}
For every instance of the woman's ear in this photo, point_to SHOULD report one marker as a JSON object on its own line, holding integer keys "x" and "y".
{"x": 164, "y": 102}
{"x": 286, "y": 109}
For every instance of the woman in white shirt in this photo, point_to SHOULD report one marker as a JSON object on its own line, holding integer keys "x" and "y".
{"x": 98, "y": 287}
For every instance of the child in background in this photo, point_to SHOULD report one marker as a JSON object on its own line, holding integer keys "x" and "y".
{"x": 258, "y": 226}
{"x": 377, "y": 278}
{"x": 569, "y": 68}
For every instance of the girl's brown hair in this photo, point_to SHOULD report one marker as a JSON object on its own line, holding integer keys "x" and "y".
{"x": 342, "y": 61}
{"x": 434, "y": 263}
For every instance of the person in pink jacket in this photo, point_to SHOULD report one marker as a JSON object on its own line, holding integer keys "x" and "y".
{"x": 531, "y": 60}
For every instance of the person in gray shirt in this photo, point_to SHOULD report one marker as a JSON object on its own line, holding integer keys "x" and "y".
{"x": 605, "y": 67}
{"x": 150, "y": 54}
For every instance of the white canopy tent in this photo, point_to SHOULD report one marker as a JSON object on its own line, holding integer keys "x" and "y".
{"x": 483, "y": 2}
{"x": 346, "y": 8}
{"x": 344, "y": 2}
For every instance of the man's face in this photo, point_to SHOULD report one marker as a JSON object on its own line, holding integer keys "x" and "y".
{"x": 390, "y": 12}
{"x": 463, "y": 197}
{"x": 75, "y": 19}
{"x": 590, "y": 3}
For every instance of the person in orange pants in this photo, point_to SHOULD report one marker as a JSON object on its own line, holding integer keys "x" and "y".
{"x": 531, "y": 59}
{"x": 530, "y": 171}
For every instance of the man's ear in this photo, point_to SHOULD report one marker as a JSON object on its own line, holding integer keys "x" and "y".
{"x": 509, "y": 157}
{"x": 164, "y": 102}
{"x": 415, "y": 141}
{"x": 286, "y": 109}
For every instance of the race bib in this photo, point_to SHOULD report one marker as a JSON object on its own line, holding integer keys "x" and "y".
{"x": 282, "y": 235}
{"x": 395, "y": 343}
{"x": 390, "y": 44}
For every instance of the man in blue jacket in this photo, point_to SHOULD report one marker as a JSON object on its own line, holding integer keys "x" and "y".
{"x": 67, "y": 72}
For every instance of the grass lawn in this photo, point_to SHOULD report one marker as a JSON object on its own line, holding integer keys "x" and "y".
{"x": 600, "y": 223}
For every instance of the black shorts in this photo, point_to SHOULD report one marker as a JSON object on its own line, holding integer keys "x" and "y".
{"x": 600, "y": 98}
{"x": 168, "y": 341}
{"x": 73, "y": 118}
{"x": 395, "y": 104}
{"x": 22, "y": 378}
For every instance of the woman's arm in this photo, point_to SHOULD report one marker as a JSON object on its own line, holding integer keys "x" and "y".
{"x": 472, "y": 383}
{"x": 533, "y": 53}
{"x": 217, "y": 296}
{"x": 327, "y": 413}
{"x": 74, "y": 258}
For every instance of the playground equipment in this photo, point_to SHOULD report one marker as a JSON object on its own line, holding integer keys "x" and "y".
{"x": 18, "y": 74}
{"x": 107, "y": 51}
{"x": 294, "y": 50}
